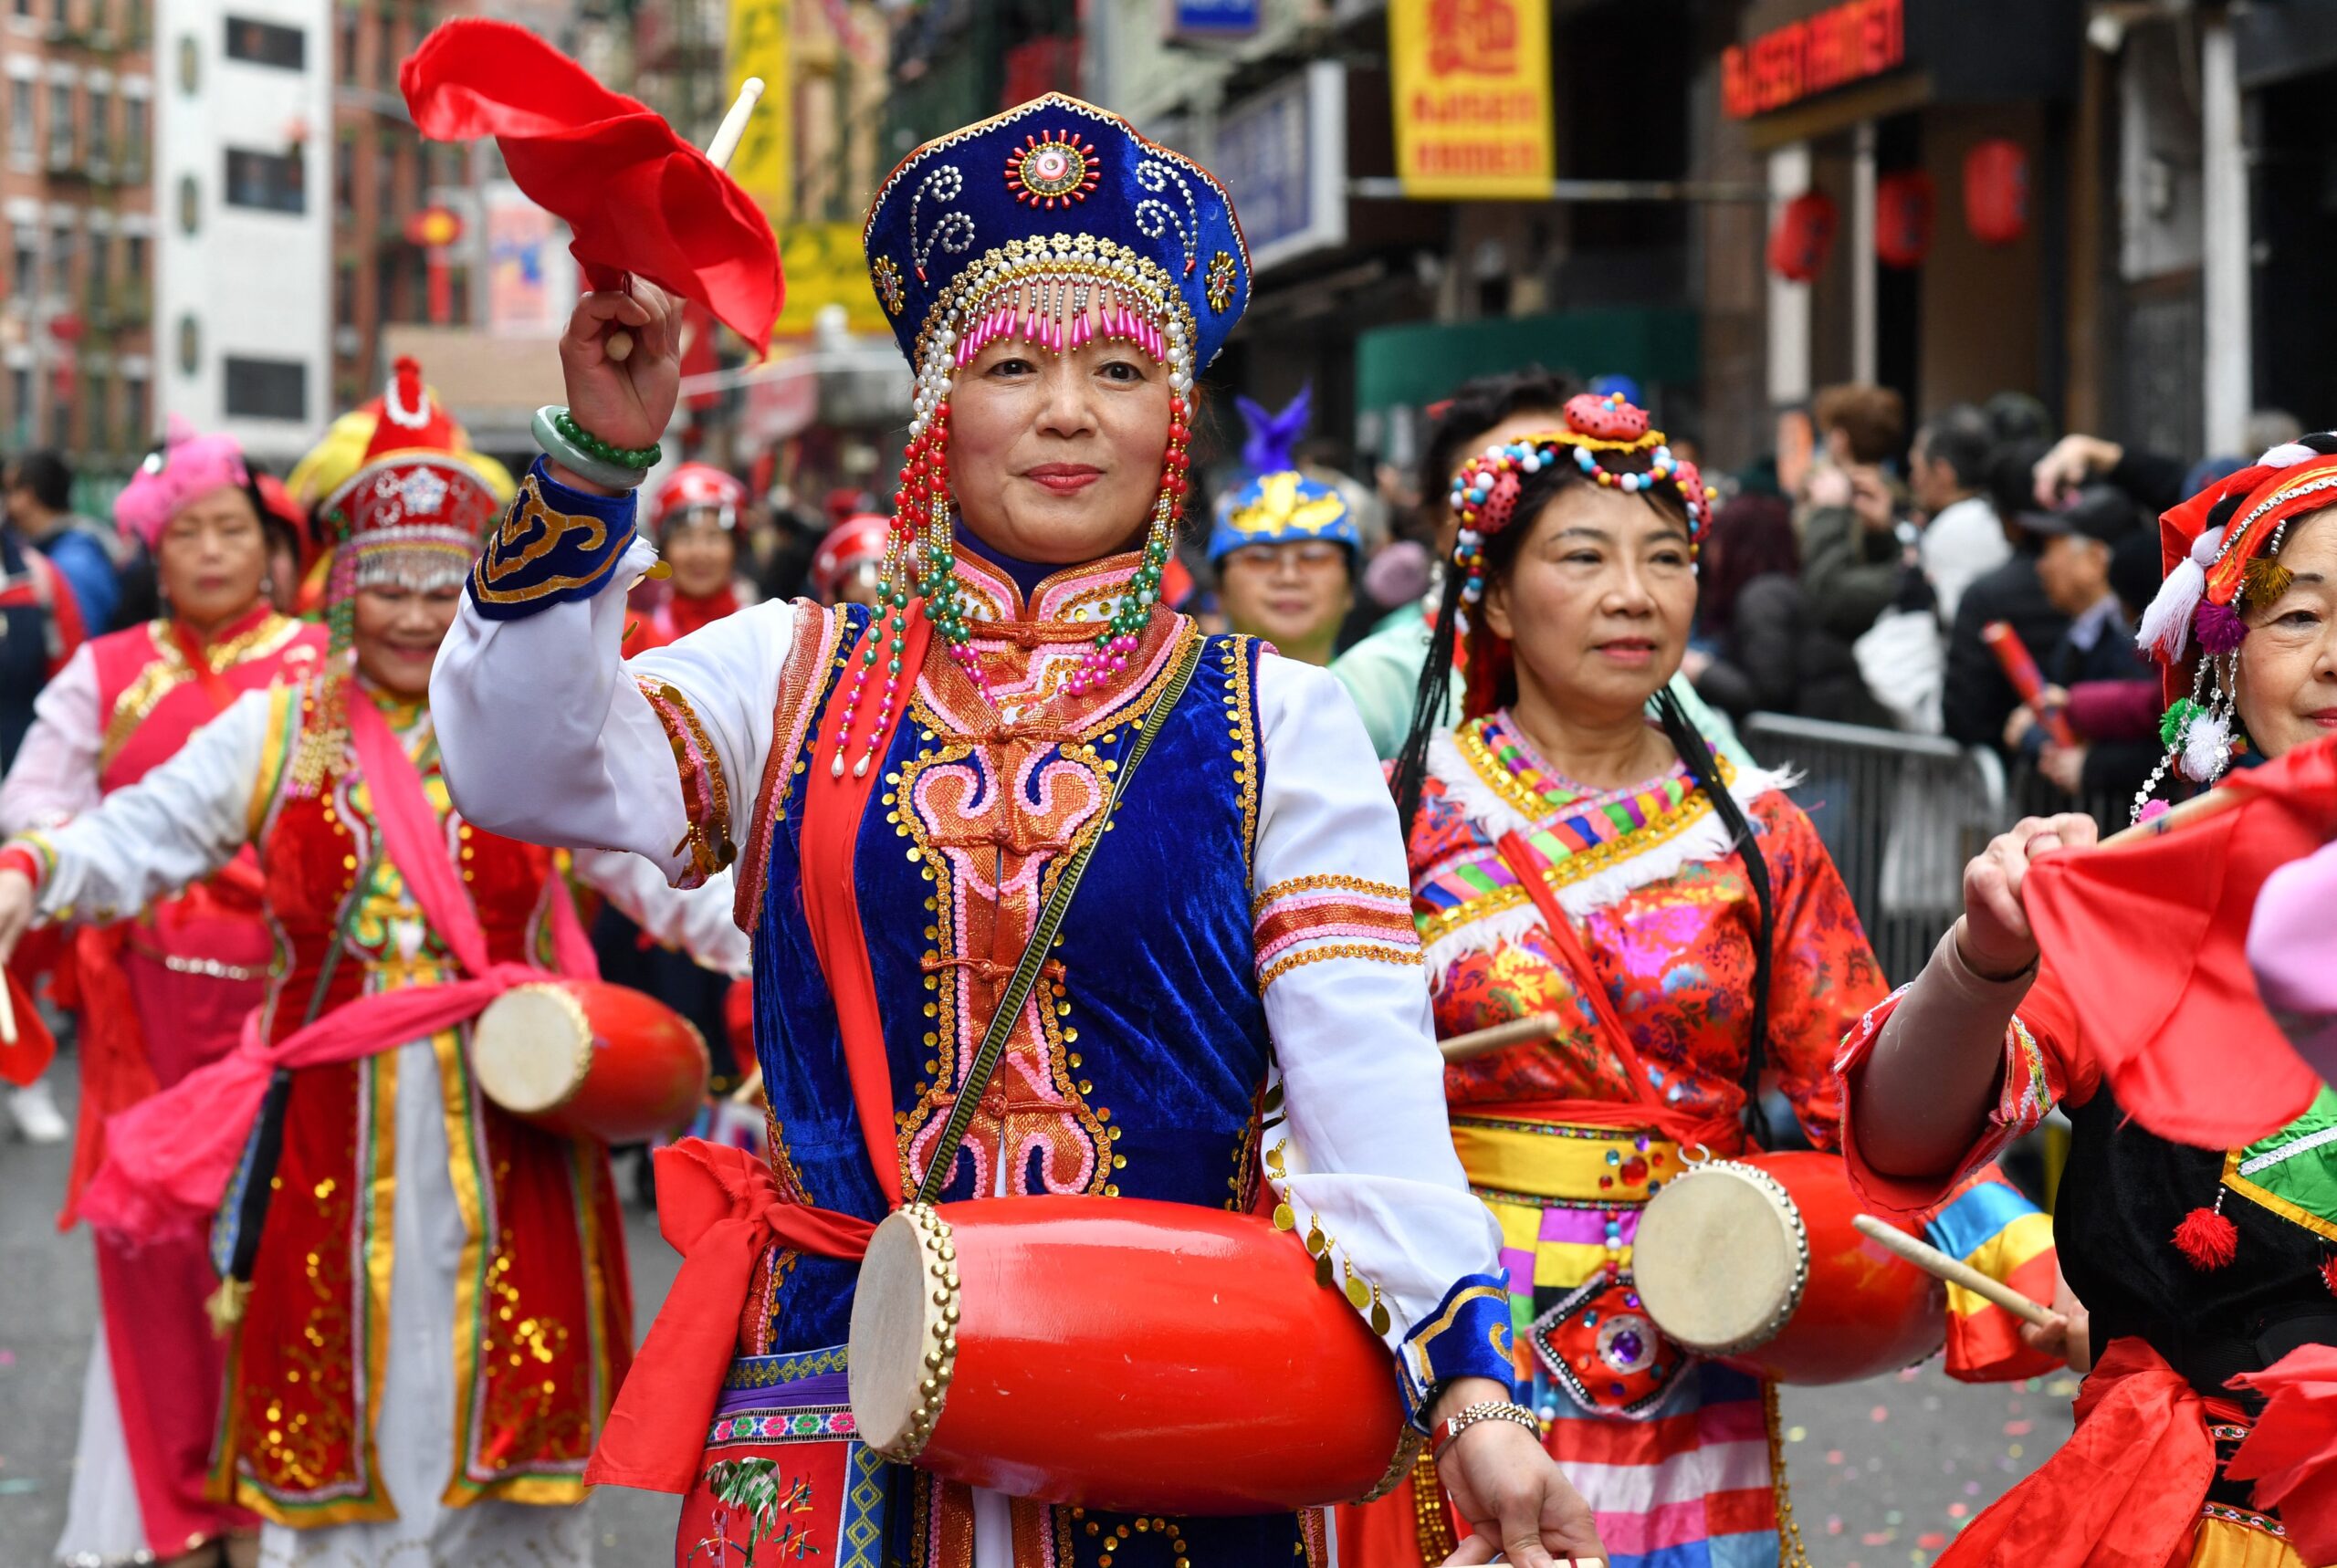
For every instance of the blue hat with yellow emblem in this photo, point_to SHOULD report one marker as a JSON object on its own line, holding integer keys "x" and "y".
{"x": 1279, "y": 505}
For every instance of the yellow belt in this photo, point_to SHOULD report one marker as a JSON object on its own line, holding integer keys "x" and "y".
{"x": 1568, "y": 1164}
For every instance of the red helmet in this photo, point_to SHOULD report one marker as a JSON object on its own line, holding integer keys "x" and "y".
{"x": 856, "y": 542}
{"x": 695, "y": 487}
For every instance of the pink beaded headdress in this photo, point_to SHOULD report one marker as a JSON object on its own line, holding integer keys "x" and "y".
{"x": 187, "y": 466}
{"x": 1484, "y": 495}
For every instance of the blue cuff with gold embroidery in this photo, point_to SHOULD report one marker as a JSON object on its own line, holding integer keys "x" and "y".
{"x": 1468, "y": 1335}
{"x": 553, "y": 545}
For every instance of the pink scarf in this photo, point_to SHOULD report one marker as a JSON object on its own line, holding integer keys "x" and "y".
{"x": 170, "y": 1157}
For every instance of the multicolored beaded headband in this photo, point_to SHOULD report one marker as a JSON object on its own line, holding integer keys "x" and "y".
{"x": 2220, "y": 550}
{"x": 1484, "y": 495}
{"x": 1089, "y": 233}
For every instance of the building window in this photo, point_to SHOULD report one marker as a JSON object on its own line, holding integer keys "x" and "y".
{"x": 23, "y": 7}
{"x": 99, "y": 421}
{"x": 267, "y": 43}
{"x": 345, "y": 179}
{"x": 24, "y": 263}
{"x": 60, "y": 261}
{"x": 386, "y": 53}
{"x": 98, "y": 273}
{"x": 100, "y": 126}
{"x": 133, "y": 411}
{"x": 20, "y": 118}
{"x": 386, "y": 182}
{"x": 133, "y": 138}
{"x": 344, "y": 295}
{"x": 20, "y": 407}
{"x": 61, "y": 13}
{"x": 344, "y": 44}
{"x": 133, "y": 260}
{"x": 271, "y": 182}
{"x": 267, "y": 389}
{"x": 61, "y": 123}
{"x": 60, "y": 421}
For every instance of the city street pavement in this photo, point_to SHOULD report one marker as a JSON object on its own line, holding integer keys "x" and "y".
{"x": 1884, "y": 1472}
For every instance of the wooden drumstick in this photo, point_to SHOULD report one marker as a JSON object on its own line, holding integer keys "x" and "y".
{"x": 751, "y": 1086}
{"x": 1955, "y": 1270}
{"x": 2198, "y": 808}
{"x": 718, "y": 153}
{"x": 1484, "y": 1041}
{"x": 7, "y": 1012}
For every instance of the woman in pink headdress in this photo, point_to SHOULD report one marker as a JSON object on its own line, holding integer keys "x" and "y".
{"x": 165, "y": 989}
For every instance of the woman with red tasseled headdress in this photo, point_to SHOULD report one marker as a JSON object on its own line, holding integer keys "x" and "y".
{"x": 166, "y": 991}
{"x": 2207, "y": 1270}
{"x": 404, "y": 1373}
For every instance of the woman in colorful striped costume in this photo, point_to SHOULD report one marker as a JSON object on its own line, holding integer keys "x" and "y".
{"x": 1574, "y": 578}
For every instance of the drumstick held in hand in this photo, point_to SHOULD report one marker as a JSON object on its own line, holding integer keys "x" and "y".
{"x": 7, "y": 1013}
{"x": 1955, "y": 1270}
{"x": 1484, "y": 1041}
{"x": 749, "y": 1090}
{"x": 718, "y": 153}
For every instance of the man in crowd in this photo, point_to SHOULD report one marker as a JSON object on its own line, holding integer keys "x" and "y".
{"x": 40, "y": 513}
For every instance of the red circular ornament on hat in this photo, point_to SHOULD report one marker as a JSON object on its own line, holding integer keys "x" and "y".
{"x": 1605, "y": 418}
{"x": 1053, "y": 170}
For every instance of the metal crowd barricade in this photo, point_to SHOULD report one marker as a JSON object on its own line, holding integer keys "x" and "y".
{"x": 1899, "y": 813}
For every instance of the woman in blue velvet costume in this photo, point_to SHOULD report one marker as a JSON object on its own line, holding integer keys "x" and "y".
{"x": 1057, "y": 283}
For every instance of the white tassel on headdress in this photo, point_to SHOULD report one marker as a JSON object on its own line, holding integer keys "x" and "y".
{"x": 2166, "y": 624}
{"x": 2207, "y": 746}
{"x": 2287, "y": 454}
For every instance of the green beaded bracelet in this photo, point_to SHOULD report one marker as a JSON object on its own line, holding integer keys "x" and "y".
{"x": 643, "y": 458}
{"x": 573, "y": 455}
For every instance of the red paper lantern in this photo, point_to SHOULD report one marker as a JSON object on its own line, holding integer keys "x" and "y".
{"x": 1804, "y": 234}
{"x": 1995, "y": 192}
{"x": 1903, "y": 205}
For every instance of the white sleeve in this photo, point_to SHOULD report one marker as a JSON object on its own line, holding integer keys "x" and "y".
{"x": 180, "y": 823}
{"x": 697, "y": 920}
{"x": 55, "y": 775}
{"x": 546, "y": 733}
{"x": 1372, "y": 1171}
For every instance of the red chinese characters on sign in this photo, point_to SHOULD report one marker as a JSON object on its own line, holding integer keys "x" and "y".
{"x": 1843, "y": 44}
{"x": 1477, "y": 38}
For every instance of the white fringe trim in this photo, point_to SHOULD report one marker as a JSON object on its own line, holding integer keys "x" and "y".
{"x": 1708, "y": 838}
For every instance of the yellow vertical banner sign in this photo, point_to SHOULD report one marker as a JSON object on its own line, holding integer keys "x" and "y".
{"x": 1473, "y": 112}
{"x": 764, "y": 163}
{"x": 826, "y": 266}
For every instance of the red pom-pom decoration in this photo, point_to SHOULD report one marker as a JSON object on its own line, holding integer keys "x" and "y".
{"x": 2206, "y": 1238}
{"x": 1605, "y": 418}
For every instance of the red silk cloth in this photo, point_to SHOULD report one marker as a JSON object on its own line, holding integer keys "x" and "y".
{"x": 29, "y": 1056}
{"x": 2157, "y": 932}
{"x": 2125, "y": 1489}
{"x": 2292, "y": 1456}
{"x": 635, "y": 196}
{"x": 169, "y": 1158}
{"x": 719, "y": 1208}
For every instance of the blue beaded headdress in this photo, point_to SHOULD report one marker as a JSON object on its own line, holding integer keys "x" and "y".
{"x": 1059, "y": 190}
{"x": 1279, "y": 504}
{"x": 1053, "y": 225}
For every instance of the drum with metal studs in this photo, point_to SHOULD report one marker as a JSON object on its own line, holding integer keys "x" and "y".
{"x": 1120, "y": 1353}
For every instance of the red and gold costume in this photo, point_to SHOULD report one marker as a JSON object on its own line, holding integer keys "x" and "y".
{"x": 158, "y": 995}
{"x": 433, "y": 1306}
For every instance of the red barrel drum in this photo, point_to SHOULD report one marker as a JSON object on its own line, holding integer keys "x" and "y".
{"x": 1120, "y": 1353}
{"x": 587, "y": 1059}
{"x": 1754, "y": 1262}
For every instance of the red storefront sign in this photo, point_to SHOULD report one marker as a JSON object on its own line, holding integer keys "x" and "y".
{"x": 1840, "y": 44}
